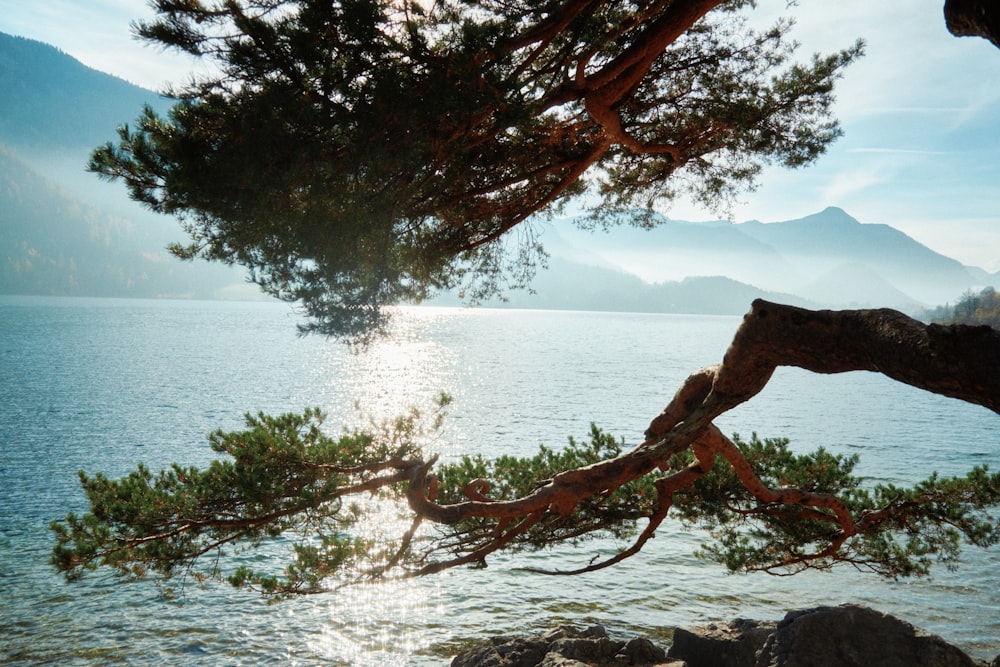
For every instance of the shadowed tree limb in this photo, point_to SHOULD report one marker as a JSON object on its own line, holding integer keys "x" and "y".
{"x": 956, "y": 361}
{"x": 666, "y": 487}
{"x": 973, "y": 18}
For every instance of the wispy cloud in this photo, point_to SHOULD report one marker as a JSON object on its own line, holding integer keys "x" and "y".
{"x": 847, "y": 184}
{"x": 894, "y": 151}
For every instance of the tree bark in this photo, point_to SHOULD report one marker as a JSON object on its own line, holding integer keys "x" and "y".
{"x": 958, "y": 361}
{"x": 973, "y": 18}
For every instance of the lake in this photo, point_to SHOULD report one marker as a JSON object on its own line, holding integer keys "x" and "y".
{"x": 104, "y": 384}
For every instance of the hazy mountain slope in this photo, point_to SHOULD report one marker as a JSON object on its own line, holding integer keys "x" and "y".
{"x": 674, "y": 250}
{"x": 856, "y": 285}
{"x": 876, "y": 264}
{"x": 53, "y": 244}
{"x": 714, "y": 295}
{"x": 571, "y": 285}
{"x": 63, "y": 231}
{"x": 831, "y": 238}
{"x": 52, "y": 101}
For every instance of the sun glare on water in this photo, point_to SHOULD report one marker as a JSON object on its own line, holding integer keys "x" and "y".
{"x": 390, "y": 375}
{"x": 375, "y": 624}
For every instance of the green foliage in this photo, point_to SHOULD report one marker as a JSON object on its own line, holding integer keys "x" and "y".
{"x": 284, "y": 489}
{"x": 283, "y": 482}
{"x": 906, "y": 529}
{"x": 356, "y": 154}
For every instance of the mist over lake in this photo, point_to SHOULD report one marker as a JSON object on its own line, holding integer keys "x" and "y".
{"x": 102, "y": 384}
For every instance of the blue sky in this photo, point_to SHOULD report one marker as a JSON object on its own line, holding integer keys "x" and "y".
{"x": 921, "y": 113}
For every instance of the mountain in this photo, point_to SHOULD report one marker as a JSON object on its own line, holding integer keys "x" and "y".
{"x": 855, "y": 285}
{"x": 673, "y": 250}
{"x": 53, "y": 244}
{"x": 571, "y": 285}
{"x": 829, "y": 258}
{"x": 53, "y": 102}
{"x": 714, "y": 295}
{"x": 62, "y": 230}
{"x": 824, "y": 241}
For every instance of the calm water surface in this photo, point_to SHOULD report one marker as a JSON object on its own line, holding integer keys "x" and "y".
{"x": 103, "y": 384}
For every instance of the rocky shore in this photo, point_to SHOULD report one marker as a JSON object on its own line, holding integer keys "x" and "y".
{"x": 844, "y": 636}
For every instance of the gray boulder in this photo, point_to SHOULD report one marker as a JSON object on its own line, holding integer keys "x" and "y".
{"x": 564, "y": 646}
{"x": 732, "y": 644}
{"x": 844, "y": 636}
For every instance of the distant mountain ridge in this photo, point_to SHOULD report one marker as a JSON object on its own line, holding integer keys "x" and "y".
{"x": 570, "y": 285}
{"x": 824, "y": 241}
{"x": 53, "y": 244}
{"x": 828, "y": 257}
{"x": 64, "y": 232}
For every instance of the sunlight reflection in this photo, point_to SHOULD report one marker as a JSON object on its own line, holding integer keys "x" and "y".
{"x": 387, "y": 623}
{"x": 375, "y": 624}
{"x": 407, "y": 369}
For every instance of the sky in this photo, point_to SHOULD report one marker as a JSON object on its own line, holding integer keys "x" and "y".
{"x": 920, "y": 113}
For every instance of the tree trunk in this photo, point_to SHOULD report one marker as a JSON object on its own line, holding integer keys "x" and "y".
{"x": 958, "y": 361}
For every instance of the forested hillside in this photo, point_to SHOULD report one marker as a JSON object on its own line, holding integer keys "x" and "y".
{"x": 51, "y": 101}
{"x": 54, "y": 244}
{"x": 981, "y": 307}
{"x": 62, "y": 231}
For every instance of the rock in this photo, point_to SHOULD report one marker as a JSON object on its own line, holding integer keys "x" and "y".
{"x": 564, "y": 646}
{"x": 732, "y": 644}
{"x": 641, "y": 651}
{"x": 849, "y": 636}
{"x": 844, "y": 636}
{"x": 503, "y": 652}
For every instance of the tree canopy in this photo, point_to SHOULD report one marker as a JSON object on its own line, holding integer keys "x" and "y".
{"x": 359, "y": 153}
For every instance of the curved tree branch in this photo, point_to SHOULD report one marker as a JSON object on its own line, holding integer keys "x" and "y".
{"x": 142, "y": 522}
{"x": 957, "y": 361}
{"x": 666, "y": 487}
